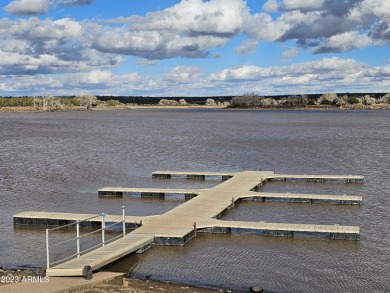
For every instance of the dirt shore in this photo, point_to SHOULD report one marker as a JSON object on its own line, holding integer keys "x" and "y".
{"x": 21, "y": 282}
{"x": 117, "y": 285}
{"x": 16, "y": 280}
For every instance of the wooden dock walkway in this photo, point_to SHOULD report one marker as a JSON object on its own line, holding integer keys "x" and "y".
{"x": 101, "y": 256}
{"x": 179, "y": 225}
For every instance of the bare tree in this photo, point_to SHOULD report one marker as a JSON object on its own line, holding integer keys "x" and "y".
{"x": 368, "y": 100}
{"x": 385, "y": 99}
{"x": 87, "y": 100}
{"x": 328, "y": 98}
{"x": 210, "y": 102}
{"x": 165, "y": 102}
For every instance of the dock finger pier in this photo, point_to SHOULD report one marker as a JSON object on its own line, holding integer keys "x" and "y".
{"x": 200, "y": 213}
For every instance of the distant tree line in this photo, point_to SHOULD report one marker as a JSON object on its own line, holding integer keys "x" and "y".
{"x": 343, "y": 100}
{"x": 145, "y": 100}
{"x": 251, "y": 100}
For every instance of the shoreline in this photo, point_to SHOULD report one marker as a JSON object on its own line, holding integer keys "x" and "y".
{"x": 143, "y": 107}
{"x": 103, "y": 282}
{"x": 318, "y": 108}
{"x": 19, "y": 278}
{"x": 124, "y": 284}
{"x": 104, "y": 108}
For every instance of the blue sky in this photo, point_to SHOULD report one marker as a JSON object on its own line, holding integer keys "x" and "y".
{"x": 194, "y": 47}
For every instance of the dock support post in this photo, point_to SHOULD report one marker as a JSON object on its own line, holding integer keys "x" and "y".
{"x": 153, "y": 194}
{"x": 189, "y": 196}
{"x": 78, "y": 238}
{"x": 103, "y": 227}
{"x": 123, "y": 221}
{"x": 47, "y": 250}
{"x": 161, "y": 176}
{"x": 196, "y": 177}
{"x": 110, "y": 193}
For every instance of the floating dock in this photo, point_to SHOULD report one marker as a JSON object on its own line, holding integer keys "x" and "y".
{"x": 201, "y": 213}
{"x": 272, "y": 176}
{"x": 303, "y": 198}
{"x": 146, "y": 192}
{"x": 318, "y": 178}
{"x": 283, "y": 229}
{"x": 59, "y": 219}
{"x": 261, "y": 196}
{"x": 192, "y": 175}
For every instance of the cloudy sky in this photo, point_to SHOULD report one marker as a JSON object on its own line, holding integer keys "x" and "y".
{"x": 194, "y": 47}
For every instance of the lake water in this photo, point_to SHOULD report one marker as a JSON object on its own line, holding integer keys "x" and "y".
{"x": 57, "y": 161}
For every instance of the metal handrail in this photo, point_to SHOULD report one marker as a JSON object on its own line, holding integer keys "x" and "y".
{"x": 87, "y": 234}
{"x": 85, "y": 219}
{"x": 78, "y": 237}
{"x": 85, "y": 250}
{"x": 75, "y": 223}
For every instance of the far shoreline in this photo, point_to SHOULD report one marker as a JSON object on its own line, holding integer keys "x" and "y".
{"x": 28, "y": 109}
{"x": 22, "y": 109}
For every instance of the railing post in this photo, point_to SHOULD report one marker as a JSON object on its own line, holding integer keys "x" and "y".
{"x": 123, "y": 219}
{"x": 103, "y": 227}
{"x": 47, "y": 250}
{"x": 78, "y": 238}
{"x": 195, "y": 230}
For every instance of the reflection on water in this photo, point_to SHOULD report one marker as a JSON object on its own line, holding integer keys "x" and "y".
{"x": 57, "y": 161}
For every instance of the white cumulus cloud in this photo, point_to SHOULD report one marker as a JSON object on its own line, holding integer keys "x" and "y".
{"x": 183, "y": 73}
{"x": 303, "y": 5}
{"x": 27, "y": 7}
{"x": 187, "y": 29}
{"x": 249, "y": 46}
{"x": 97, "y": 76}
{"x": 343, "y": 42}
{"x": 290, "y": 54}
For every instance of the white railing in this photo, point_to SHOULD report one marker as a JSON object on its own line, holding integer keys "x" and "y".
{"x": 78, "y": 237}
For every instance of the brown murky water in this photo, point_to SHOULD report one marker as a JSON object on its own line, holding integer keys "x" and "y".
{"x": 57, "y": 161}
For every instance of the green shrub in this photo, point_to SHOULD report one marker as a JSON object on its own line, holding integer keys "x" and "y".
{"x": 113, "y": 103}
{"x": 353, "y": 100}
{"x": 17, "y": 102}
